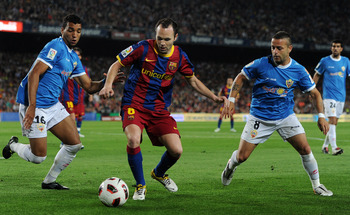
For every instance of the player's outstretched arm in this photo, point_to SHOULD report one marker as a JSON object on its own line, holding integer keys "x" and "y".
{"x": 322, "y": 123}
{"x": 33, "y": 83}
{"x": 113, "y": 74}
{"x": 202, "y": 89}
{"x": 95, "y": 86}
{"x": 236, "y": 87}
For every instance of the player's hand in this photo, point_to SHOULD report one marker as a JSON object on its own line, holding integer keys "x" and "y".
{"x": 323, "y": 125}
{"x": 225, "y": 110}
{"x": 106, "y": 92}
{"x": 29, "y": 117}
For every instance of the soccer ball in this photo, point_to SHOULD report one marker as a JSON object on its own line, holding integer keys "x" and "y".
{"x": 113, "y": 192}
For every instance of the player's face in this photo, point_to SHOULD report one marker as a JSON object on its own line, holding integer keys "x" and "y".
{"x": 71, "y": 34}
{"x": 336, "y": 49}
{"x": 280, "y": 49}
{"x": 229, "y": 81}
{"x": 165, "y": 39}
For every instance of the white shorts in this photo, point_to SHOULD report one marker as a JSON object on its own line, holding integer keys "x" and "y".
{"x": 45, "y": 118}
{"x": 333, "y": 108}
{"x": 258, "y": 131}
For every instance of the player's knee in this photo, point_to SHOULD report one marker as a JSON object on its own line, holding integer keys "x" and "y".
{"x": 37, "y": 159}
{"x": 134, "y": 141}
{"x": 242, "y": 158}
{"x": 73, "y": 149}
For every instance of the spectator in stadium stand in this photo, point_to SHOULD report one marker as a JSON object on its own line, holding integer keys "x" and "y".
{"x": 334, "y": 69}
{"x": 225, "y": 91}
{"x": 40, "y": 109}
{"x": 276, "y": 76}
{"x": 147, "y": 95}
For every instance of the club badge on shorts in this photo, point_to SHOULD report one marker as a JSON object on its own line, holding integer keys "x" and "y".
{"x": 41, "y": 127}
{"x": 254, "y": 133}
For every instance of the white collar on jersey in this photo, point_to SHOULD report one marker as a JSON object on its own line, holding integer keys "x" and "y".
{"x": 335, "y": 59}
{"x": 286, "y": 66}
{"x": 69, "y": 49}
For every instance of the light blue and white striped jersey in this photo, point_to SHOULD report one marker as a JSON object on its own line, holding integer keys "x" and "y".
{"x": 63, "y": 63}
{"x": 334, "y": 73}
{"x": 272, "y": 97}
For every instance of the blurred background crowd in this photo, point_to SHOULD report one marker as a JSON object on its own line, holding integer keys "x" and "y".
{"x": 313, "y": 21}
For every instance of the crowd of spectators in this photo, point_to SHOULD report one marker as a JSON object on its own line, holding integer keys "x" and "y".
{"x": 185, "y": 99}
{"x": 313, "y": 21}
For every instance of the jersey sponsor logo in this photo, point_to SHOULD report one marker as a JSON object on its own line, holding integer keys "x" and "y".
{"x": 153, "y": 74}
{"x": 289, "y": 83}
{"x": 149, "y": 60}
{"x": 41, "y": 127}
{"x": 66, "y": 73}
{"x": 337, "y": 74}
{"x": 172, "y": 66}
{"x": 280, "y": 91}
{"x": 253, "y": 133}
{"x": 52, "y": 53}
{"x": 127, "y": 51}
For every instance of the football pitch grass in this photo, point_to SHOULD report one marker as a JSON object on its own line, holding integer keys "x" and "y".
{"x": 271, "y": 181}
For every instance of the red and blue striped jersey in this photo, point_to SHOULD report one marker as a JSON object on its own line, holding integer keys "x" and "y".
{"x": 72, "y": 91}
{"x": 151, "y": 77}
{"x": 225, "y": 91}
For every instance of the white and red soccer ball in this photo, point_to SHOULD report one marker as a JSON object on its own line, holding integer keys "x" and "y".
{"x": 113, "y": 192}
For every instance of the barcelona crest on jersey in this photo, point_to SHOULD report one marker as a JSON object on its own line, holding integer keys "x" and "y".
{"x": 172, "y": 66}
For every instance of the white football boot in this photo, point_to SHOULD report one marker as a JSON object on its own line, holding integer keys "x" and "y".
{"x": 322, "y": 191}
{"x": 227, "y": 174}
{"x": 166, "y": 181}
{"x": 140, "y": 192}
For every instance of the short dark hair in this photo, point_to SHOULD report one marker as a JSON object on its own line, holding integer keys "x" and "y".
{"x": 78, "y": 49}
{"x": 337, "y": 41}
{"x": 283, "y": 35}
{"x": 166, "y": 22}
{"x": 71, "y": 18}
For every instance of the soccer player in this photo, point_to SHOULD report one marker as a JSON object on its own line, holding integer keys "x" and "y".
{"x": 225, "y": 91}
{"x": 334, "y": 69}
{"x": 275, "y": 77}
{"x": 147, "y": 95}
{"x": 40, "y": 109}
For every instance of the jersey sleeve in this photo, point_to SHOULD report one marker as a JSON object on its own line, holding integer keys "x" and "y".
{"x": 306, "y": 83}
{"x": 129, "y": 55}
{"x": 251, "y": 69}
{"x": 186, "y": 67}
{"x": 50, "y": 54}
{"x": 78, "y": 70}
{"x": 320, "y": 68}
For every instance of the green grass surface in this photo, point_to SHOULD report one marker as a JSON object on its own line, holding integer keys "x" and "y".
{"x": 257, "y": 188}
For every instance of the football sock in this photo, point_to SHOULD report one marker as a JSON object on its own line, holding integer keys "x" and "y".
{"x": 135, "y": 163}
{"x": 232, "y": 123}
{"x": 219, "y": 122}
{"x": 234, "y": 162}
{"x": 332, "y": 136}
{"x": 326, "y": 141}
{"x": 164, "y": 164}
{"x": 310, "y": 166}
{"x": 63, "y": 158}
{"x": 79, "y": 122}
{"x": 24, "y": 151}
